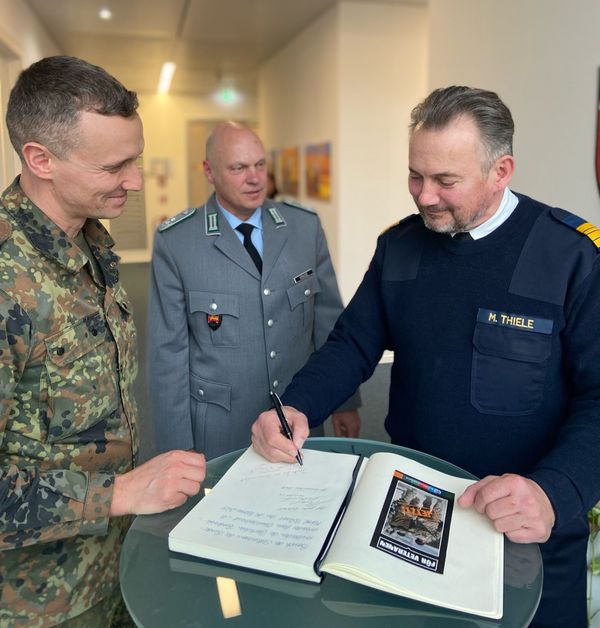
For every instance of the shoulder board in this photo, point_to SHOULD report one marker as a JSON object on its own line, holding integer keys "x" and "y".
{"x": 390, "y": 227}
{"x": 170, "y": 222}
{"x": 5, "y": 230}
{"x": 299, "y": 206}
{"x": 578, "y": 224}
{"x": 403, "y": 221}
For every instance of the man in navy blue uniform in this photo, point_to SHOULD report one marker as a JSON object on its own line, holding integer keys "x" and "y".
{"x": 490, "y": 301}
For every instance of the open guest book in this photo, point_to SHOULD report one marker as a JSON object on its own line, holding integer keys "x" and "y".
{"x": 386, "y": 522}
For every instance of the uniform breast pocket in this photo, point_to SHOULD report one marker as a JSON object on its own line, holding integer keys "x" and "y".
{"x": 81, "y": 377}
{"x": 509, "y": 369}
{"x": 215, "y": 317}
{"x": 302, "y": 303}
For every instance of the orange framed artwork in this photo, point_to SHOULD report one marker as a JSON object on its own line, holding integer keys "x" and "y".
{"x": 318, "y": 171}
{"x": 290, "y": 170}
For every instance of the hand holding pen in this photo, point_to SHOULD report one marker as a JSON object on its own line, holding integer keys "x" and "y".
{"x": 285, "y": 428}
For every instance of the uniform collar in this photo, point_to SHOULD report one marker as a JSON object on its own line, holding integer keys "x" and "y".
{"x": 255, "y": 220}
{"x": 507, "y": 206}
{"x": 52, "y": 242}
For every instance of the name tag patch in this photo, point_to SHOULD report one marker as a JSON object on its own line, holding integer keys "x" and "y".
{"x": 515, "y": 321}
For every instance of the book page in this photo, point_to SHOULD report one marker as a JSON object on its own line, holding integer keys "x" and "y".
{"x": 404, "y": 533}
{"x": 268, "y": 516}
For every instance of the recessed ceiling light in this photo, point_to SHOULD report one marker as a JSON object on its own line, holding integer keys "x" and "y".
{"x": 105, "y": 14}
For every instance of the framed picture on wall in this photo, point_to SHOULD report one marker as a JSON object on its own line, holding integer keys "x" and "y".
{"x": 317, "y": 168}
{"x": 290, "y": 171}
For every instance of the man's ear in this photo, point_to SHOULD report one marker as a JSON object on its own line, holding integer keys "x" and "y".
{"x": 503, "y": 170}
{"x": 38, "y": 159}
{"x": 208, "y": 171}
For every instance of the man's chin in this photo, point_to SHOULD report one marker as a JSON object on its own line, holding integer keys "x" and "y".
{"x": 439, "y": 224}
{"x": 254, "y": 200}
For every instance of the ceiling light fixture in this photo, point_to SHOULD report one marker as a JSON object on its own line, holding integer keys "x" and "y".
{"x": 225, "y": 94}
{"x": 166, "y": 75}
{"x": 105, "y": 14}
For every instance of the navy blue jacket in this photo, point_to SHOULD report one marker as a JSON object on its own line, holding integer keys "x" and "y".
{"x": 496, "y": 351}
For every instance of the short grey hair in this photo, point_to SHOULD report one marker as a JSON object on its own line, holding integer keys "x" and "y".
{"x": 48, "y": 97}
{"x": 490, "y": 114}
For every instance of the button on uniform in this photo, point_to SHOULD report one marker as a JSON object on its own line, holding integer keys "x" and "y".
{"x": 272, "y": 354}
{"x": 213, "y": 306}
{"x": 266, "y": 292}
{"x": 270, "y": 323}
{"x": 201, "y": 392}
{"x": 307, "y": 292}
{"x": 275, "y": 383}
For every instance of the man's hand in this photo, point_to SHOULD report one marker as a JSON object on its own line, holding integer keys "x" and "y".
{"x": 162, "y": 483}
{"x": 346, "y": 423}
{"x": 270, "y": 443}
{"x": 516, "y": 505}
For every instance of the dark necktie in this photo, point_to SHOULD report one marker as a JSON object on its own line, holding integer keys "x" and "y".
{"x": 246, "y": 230}
{"x": 462, "y": 236}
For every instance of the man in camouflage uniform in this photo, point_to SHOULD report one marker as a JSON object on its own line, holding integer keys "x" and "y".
{"x": 68, "y": 436}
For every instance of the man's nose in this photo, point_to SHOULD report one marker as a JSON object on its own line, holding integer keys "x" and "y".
{"x": 429, "y": 194}
{"x": 252, "y": 174}
{"x": 133, "y": 177}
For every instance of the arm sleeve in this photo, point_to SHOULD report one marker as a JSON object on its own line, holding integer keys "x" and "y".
{"x": 168, "y": 353}
{"x": 570, "y": 474}
{"x": 38, "y": 504}
{"x": 350, "y": 354}
{"x": 328, "y": 305}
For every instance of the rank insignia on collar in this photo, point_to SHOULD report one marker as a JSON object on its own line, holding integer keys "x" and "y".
{"x": 277, "y": 218}
{"x": 214, "y": 321}
{"x": 211, "y": 221}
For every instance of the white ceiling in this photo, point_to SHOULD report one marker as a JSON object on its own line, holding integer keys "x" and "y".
{"x": 210, "y": 40}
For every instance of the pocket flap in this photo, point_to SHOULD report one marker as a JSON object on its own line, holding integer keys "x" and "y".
{"x": 214, "y": 303}
{"x": 75, "y": 341}
{"x": 210, "y": 392}
{"x": 505, "y": 342}
{"x": 303, "y": 291}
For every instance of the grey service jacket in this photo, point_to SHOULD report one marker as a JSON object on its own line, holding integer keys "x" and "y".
{"x": 221, "y": 336}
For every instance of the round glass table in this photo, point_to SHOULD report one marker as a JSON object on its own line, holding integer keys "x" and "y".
{"x": 163, "y": 588}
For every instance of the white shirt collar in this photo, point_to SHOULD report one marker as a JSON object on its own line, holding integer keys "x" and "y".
{"x": 507, "y": 206}
{"x": 255, "y": 220}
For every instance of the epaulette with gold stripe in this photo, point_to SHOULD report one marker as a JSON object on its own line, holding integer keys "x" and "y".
{"x": 581, "y": 225}
{"x": 394, "y": 224}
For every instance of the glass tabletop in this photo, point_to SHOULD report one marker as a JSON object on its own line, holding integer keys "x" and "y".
{"x": 164, "y": 588}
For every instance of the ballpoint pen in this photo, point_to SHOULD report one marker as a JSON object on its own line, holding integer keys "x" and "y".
{"x": 284, "y": 424}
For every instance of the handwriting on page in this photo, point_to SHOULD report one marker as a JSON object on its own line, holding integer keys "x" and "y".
{"x": 270, "y": 470}
{"x": 273, "y": 529}
{"x": 276, "y": 506}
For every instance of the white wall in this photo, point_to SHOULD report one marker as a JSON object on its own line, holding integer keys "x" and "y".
{"x": 23, "y": 40}
{"x": 165, "y": 119}
{"x": 298, "y": 105}
{"x": 542, "y": 57}
{"x": 351, "y": 78}
{"x": 383, "y": 52}
{"x": 22, "y": 32}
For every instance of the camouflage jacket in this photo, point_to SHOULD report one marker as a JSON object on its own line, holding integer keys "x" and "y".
{"x": 67, "y": 415}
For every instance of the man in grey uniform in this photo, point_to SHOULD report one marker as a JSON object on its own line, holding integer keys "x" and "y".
{"x": 242, "y": 292}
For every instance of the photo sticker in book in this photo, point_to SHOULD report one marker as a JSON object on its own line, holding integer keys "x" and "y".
{"x": 415, "y": 522}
